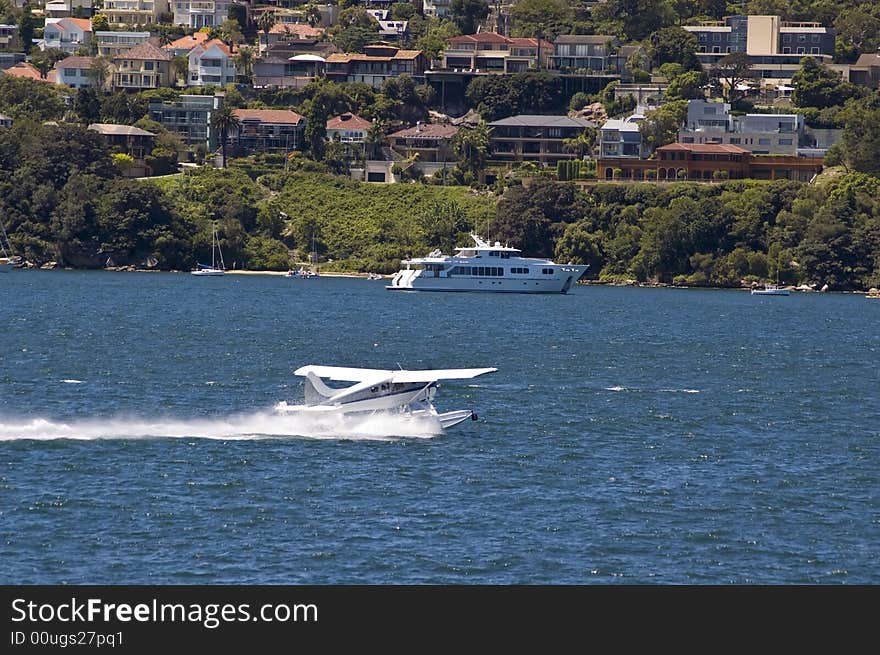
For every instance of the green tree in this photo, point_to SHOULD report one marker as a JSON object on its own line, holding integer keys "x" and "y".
{"x": 265, "y": 22}
{"x": 471, "y": 147}
{"x": 27, "y": 24}
{"x": 433, "y": 41}
{"x": 87, "y": 105}
{"x": 674, "y": 45}
{"x": 858, "y": 31}
{"x": 545, "y": 19}
{"x": 22, "y": 98}
{"x": 180, "y": 69}
{"x": 634, "y": 20}
{"x": 443, "y": 222}
{"x": 468, "y": 14}
{"x": 816, "y": 85}
{"x": 224, "y": 120}
{"x": 860, "y": 140}
{"x": 99, "y": 72}
{"x": 687, "y": 86}
{"x": 729, "y": 73}
{"x": 313, "y": 15}
{"x": 100, "y": 22}
{"x": 661, "y": 125}
{"x": 245, "y": 62}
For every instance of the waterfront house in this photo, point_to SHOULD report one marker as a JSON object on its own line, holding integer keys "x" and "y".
{"x": 379, "y": 62}
{"x": 536, "y": 138}
{"x": 584, "y": 52}
{"x": 211, "y": 63}
{"x": 134, "y": 12}
{"x": 707, "y": 162}
{"x": 67, "y": 34}
{"x": 621, "y": 137}
{"x": 761, "y": 134}
{"x": 129, "y": 140}
{"x": 73, "y": 71}
{"x": 197, "y": 14}
{"x": 66, "y": 8}
{"x": 488, "y": 52}
{"x": 141, "y": 68}
{"x": 267, "y": 130}
{"x": 348, "y": 128}
{"x": 24, "y": 70}
{"x": 429, "y": 142}
{"x": 184, "y": 45}
{"x": 5, "y": 121}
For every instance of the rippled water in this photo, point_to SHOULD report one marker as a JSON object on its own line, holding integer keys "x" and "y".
{"x": 629, "y": 436}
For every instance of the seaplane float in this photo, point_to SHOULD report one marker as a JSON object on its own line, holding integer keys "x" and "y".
{"x": 409, "y": 394}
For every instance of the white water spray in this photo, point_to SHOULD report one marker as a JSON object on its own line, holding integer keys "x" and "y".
{"x": 259, "y": 425}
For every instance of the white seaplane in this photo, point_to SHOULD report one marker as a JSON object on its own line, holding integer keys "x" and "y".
{"x": 405, "y": 393}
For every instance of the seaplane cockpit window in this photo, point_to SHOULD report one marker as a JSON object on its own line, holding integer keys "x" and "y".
{"x": 547, "y": 271}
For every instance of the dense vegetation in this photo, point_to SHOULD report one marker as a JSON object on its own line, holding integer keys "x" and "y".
{"x": 68, "y": 204}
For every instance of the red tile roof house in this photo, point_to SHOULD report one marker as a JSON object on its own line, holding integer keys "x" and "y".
{"x": 267, "y": 130}
{"x": 25, "y": 70}
{"x": 350, "y": 128}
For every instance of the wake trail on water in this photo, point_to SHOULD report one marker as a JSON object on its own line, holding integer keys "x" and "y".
{"x": 244, "y": 427}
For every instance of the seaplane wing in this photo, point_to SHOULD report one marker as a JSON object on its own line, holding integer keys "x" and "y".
{"x": 439, "y": 374}
{"x": 374, "y": 376}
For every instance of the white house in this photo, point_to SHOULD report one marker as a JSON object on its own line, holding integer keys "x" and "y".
{"x": 67, "y": 34}
{"x": 211, "y": 63}
{"x": 200, "y": 13}
{"x": 348, "y": 127}
{"x": 73, "y": 71}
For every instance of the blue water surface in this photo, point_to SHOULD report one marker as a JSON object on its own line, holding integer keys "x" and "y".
{"x": 630, "y": 435}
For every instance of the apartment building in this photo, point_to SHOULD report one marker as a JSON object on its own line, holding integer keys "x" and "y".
{"x": 211, "y": 63}
{"x": 268, "y": 130}
{"x": 67, "y": 34}
{"x": 592, "y": 52}
{"x": 774, "y": 47}
{"x": 190, "y": 117}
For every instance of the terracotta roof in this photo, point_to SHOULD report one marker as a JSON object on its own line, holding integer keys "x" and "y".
{"x": 348, "y": 121}
{"x": 528, "y": 42}
{"x": 188, "y": 42}
{"x": 145, "y": 51}
{"x": 300, "y": 30}
{"x": 25, "y": 70}
{"x": 74, "y": 62}
{"x": 706, "y": 148}
{"x": 84, "y": 24}
{"x": 215, "y": 42}
{"x": 426, "y": 131}
{"x": 339, "y": 57}
{"x": 482, "y": 37}
{"x": 269, "y": 116}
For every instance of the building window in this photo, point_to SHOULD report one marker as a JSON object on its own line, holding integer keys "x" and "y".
{"x": 735, "y": 140}
{"x": 801, "y": 51}
{"x": 786, "y": 50}
{"x": 814, "y": 51}
{"x": 763, "y": 142}
{"x": 785, "y": 142}
{"x": 687, "y": 139}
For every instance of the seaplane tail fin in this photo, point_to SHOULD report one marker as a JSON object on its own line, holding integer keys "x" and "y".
{"x": 317, "y": 392}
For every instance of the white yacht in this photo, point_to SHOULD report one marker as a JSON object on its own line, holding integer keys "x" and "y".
{"x": 485, "y": 267}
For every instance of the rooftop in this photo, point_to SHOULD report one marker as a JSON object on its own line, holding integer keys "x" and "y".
{"x": 538, "y": 120}
{"x": 112, "y": 129}
{"x": 280, "y": 116}
{"x": 145, "y": 51}
{"x": 426, "y": 131}
{"x": 704, "y": 148}
{"x": 348, "y": 121}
